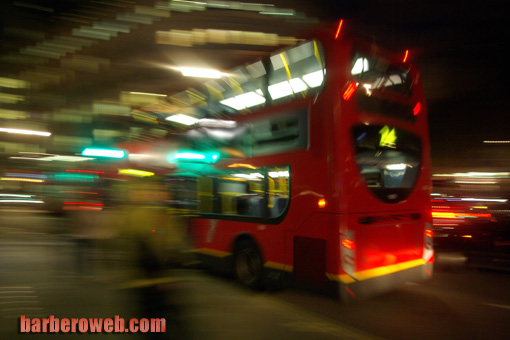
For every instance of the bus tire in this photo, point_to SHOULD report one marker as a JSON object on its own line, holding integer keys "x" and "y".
{"x": 248, "y": 264}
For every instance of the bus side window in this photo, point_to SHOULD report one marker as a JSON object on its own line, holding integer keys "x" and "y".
{"x": 296, "y": 72}
{"x": 282, "y": 133}
{"x": 252, "y": 193}
{"x": 278, "y": 190}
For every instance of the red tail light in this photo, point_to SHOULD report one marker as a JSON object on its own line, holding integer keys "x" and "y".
{"x": 349, "y": 91}
{"x": 428, "y": 232}
{"x": 417, "y": 109}
{"x": 349, "y": 244}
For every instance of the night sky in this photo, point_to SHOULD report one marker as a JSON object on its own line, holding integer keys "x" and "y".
{"x": 457, "y": 44}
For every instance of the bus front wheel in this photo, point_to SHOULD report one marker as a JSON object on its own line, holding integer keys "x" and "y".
{"x": 248, "y": 264}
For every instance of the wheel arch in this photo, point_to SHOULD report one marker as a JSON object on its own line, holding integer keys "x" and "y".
{"x": 245, "y": 236}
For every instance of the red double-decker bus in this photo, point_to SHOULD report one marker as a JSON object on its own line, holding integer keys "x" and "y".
{"x": 328, "y": 182}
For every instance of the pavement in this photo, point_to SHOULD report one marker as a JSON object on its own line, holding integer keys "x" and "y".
{"x": 39, "y": 279}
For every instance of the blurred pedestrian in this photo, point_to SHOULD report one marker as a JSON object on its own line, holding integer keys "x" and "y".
{"x": 156, "y": 241}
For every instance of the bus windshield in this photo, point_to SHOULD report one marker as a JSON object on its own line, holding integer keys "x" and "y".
{"x": 388, "y": 159}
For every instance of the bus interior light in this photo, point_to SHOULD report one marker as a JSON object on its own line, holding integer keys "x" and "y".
{"x": 200, "y": 72}
{"x": 280, "y": 90}
{"x": 314, "y": 79}
{"x": 182, "y": 119}
{"x": 26, "y": 132}
{"x": 360, "y": 66}
{"x": 399, "y": 166}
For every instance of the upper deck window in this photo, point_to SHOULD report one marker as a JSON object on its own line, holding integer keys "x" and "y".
{"x": 378, "y": 74}
{"x": 297, "y": 71}
{"x": 290, "y": 74}
{"x": 374, "y": 77}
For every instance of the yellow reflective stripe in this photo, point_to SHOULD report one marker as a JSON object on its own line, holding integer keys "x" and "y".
{"x": 215, "y": 94}
{"x": 317, "y": 54}
{"x": 278, "y": 266}
{"x": 344, "y": 278}
{"x": 376, "y": 272}
{"x": 212, "y": 252}
{"x": 286, "y": 66}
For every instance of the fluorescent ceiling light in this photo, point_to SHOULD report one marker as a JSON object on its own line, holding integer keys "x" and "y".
{"x": 360, "y": 66}
{"x": 400, "y": 166}
{"x": 233, "y": 103}
{"x": 280, "y": 90}
{"x": 182, "y": 119}
{"x": 26, "y": 132}
{"x": 244, "y": 100}
{"x": 484, "y": 200}
{"x": 253, "y": 176}
{"x": 200, "y": 72}
{"x": 276, "y": 174}
{"x": 314, "y": 79}
{"x": 251, "y": 99}
{"x": 69, "y": 158}
{"x": 278, "y": 13}
{"x": 110, "y": 153}
{"x": 297, "y": 85}
{"x": 50, "y": 158}
{"x": 44, "y": 159}
{"x": 14, "y": 195}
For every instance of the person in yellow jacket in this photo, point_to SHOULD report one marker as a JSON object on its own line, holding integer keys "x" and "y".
{"x": 159, "y": 235}
{"x": 157, "y": 238}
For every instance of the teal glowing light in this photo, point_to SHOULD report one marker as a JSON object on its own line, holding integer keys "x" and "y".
{"x": 109, "y": 153}
{"x": 194, "y": 156}
{"x": 73, "y": 177}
